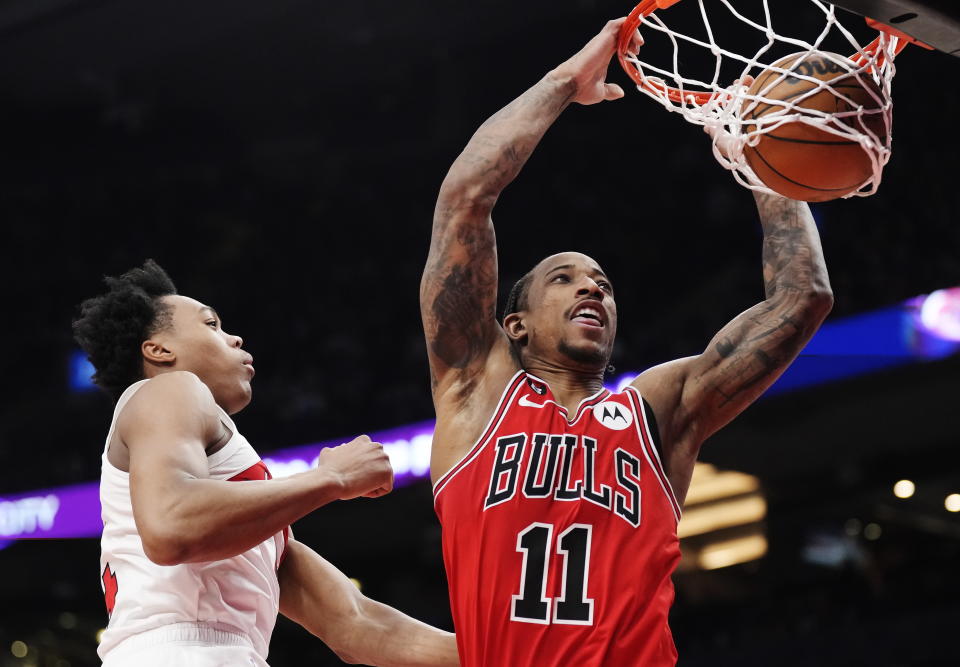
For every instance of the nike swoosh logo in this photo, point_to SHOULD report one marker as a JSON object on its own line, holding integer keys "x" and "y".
{"x": 527, "y": 403}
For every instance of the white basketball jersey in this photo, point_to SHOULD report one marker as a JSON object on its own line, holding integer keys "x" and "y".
{"x": 239, "y": 594}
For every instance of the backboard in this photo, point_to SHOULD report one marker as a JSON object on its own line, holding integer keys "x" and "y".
{"x": 934, "y": 22}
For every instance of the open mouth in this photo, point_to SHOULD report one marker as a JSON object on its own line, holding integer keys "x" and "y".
{"x": 588, "y": 315}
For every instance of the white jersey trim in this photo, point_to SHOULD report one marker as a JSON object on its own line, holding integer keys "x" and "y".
{"x": 498, "y": 415}
{"x": 208, "y": 634}
{"x": 579, "y": 412}
{"x": 118, "y": 408}
{"x": 636, "y": 403}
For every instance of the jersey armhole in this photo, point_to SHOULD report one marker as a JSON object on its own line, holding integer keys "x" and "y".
{"x": 654, "y": 429}
{"x": 506, "y": 400}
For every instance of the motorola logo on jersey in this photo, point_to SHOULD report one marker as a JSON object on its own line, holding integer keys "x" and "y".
{"x": 563, "y": 467}
{"x": 613, "y": 415}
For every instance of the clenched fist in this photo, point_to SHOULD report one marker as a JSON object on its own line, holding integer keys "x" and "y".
{"x": 361, "y": 466}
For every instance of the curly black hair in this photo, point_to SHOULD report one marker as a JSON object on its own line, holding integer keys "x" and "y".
{"x": 112, "y": 326}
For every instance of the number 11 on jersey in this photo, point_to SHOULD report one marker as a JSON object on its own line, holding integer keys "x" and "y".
{"x": 532, "y": 605}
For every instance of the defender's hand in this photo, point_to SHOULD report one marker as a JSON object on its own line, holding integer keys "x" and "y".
{"x": 362, "y": 467}
{"x": 588, "y": 67}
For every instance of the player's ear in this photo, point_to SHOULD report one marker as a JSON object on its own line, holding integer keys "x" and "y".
{"x": 514, "y": 327}
{"x": 155, "y": 352}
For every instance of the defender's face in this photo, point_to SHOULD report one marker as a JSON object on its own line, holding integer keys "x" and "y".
{"x": 571, "y": 310}
{"x": 202, "y": 347}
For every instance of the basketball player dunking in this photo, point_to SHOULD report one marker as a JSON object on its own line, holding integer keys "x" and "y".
{"x": 196, "y": 554}
{"x": 559, "y": 500}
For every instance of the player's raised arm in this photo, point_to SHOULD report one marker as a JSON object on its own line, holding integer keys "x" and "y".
{"x": 319, "y": 597}
{"x": 751, "y": 352}
{"x": 699, "y": 395}
{"x": 458, "y": 292}
{"x": 183, "y": 516}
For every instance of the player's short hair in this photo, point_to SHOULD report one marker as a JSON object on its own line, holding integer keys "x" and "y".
{"x": 112, "y": 326}
{"x": 517, "y": 300}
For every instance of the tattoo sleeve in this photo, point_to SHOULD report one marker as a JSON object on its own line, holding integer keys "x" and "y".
{"x": 458, "y": 291}
{"x": 751, "y": 352}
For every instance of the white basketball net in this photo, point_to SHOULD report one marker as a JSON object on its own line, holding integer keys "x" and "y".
{"x": 729, "y": 101}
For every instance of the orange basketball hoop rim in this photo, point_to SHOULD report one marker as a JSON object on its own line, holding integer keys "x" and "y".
{"x": 701, "y": 97}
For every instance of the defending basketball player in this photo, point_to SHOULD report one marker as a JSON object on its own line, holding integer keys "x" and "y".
{"x": 196, "y": 553}
{"x": 559, "y": 500}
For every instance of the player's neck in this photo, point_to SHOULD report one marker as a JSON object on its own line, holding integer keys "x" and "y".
{"x": 569, "y": 386}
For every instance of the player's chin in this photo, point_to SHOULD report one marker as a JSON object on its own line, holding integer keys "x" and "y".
{"x": 587, "y": 353}
{"x": 241, "y": 397}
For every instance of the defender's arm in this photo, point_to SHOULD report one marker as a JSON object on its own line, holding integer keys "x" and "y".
{"x": 183, "y": 516}
{"x": 319, "y": 597}
{"x": 458, "y": 291}
{"x": 695, "y": 397}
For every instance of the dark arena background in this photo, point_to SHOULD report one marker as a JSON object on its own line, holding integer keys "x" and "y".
{"x": 281, "y": 160}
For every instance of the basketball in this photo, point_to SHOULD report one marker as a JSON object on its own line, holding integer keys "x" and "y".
{"x": 803, "y": 162}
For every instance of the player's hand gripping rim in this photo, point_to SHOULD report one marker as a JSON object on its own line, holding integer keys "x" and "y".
{"x": 588, "y": 67}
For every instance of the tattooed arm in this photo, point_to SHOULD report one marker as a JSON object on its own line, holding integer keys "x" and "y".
{"x": 695, "y": 397}
{"x": 458, "y": 291}
{"x": 470, "y": 360}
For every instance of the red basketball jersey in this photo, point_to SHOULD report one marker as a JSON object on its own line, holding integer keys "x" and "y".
{"x": 560, "y": 535}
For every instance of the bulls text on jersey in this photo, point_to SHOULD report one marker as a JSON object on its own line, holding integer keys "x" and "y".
{"x": 544, "y": 470}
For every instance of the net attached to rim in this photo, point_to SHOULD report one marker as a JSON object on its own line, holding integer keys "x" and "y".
{"x": 713, "y": 96}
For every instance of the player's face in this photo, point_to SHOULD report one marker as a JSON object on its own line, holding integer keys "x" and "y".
{"x": 571, "y": 311}
{"x": 202, "y": 347}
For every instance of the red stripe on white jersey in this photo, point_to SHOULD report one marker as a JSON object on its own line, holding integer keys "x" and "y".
{"x": 257, "y": 472}
{"x": 260, "y": 472}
